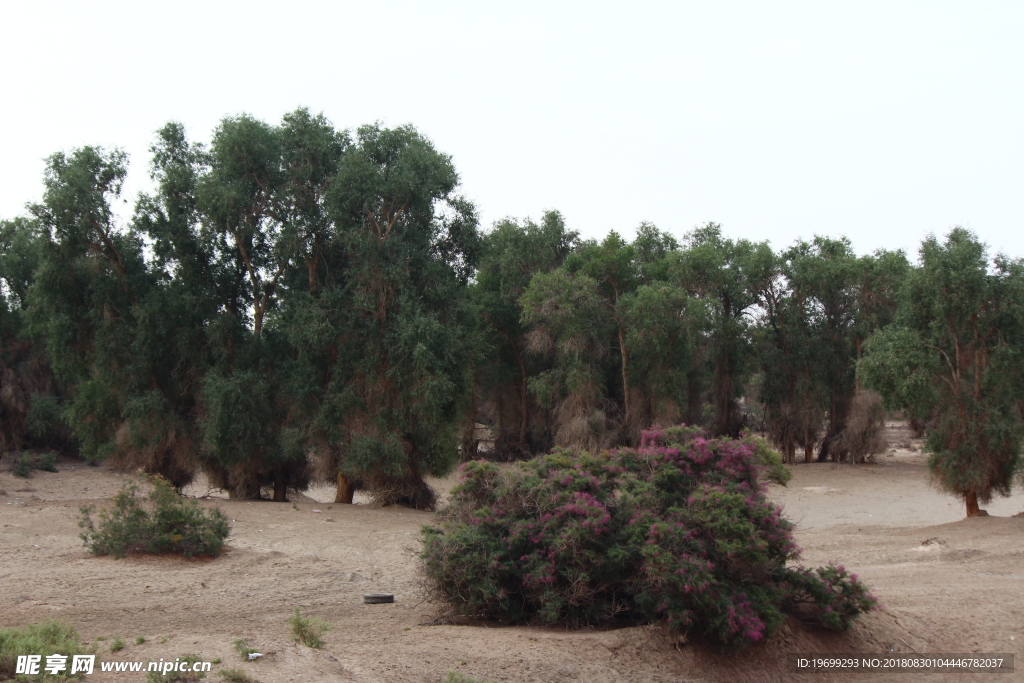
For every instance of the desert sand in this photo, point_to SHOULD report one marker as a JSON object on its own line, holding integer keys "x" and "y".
{"x": 948, "y": 584}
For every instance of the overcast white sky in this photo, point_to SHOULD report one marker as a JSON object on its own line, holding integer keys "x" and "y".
{"x": 881, "y": 121}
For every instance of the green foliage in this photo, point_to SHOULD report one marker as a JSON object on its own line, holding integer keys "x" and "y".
{"x": 309, "y": 632}
{"x": 296, "y": 302}
{"x": 829, "y": 596}
{"x": 456, "y": 677}
{"x": 237, "y": 676}
{"x": 26, "y": 462}
{"x": 178, "y": 676}
{"x": 117, "y": 645}
{"x": 139, "y": 640}
{"x": 953, "y": 354}
{"x": 730, "y": 277}
{"x": 244, "y": 649}
{"x": 37, "y": 639}
{"x": 23, "y": 466}
{"x": 162, "y": 522}
{"x": 770, "y": 460}
{"x": 678, "y": 531}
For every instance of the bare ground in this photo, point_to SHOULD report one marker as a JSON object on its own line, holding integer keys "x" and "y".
{"x": 961, "y": 593}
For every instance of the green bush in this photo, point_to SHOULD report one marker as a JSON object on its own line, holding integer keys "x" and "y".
{"x": 117, "y": 645}
{"x": 243, "y": 649}
{"x": 771, "y": 461}
{"x": 178, "y": 676}
{"x": 27, "y": 462}
{"x": 678, "y": 531}
{"x": 456, "y": 677}
{"x": 162, "y": 522}
{"x": 22, "y": 467}
{"x": 237, "y": 676}
{"x": 309, "y": 632}
{"x": 51, "y": 637}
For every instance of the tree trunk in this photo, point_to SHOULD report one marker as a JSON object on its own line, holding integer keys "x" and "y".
{"x": 973, "y": 509}
{"x": 839, "y": 409}
{"x": 809, "y": 453}
{"x": 627, "y": 396}
{"x": 280, "y": 489}
{"x": 524, "y": 403}
{"x": 345, "y": 490}
{"x": 469, "y": 442}
{"x": 856, "y": 376}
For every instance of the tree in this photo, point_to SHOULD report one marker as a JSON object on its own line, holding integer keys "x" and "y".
{"x": 664, "y": 328}
{"x": 729, "y": 276}
{"x": 409, "y": 244}
{"x": 954, "y": 351}
{"x": 511, "y": 254}
{"x": 613, "y": 267}
{"x": 790, "y": 390}
{"x": 29, "y": 401}
{"x": 825, "y": 271}
{"x": 571, "y": 325}
{"x": 85, "y": 292}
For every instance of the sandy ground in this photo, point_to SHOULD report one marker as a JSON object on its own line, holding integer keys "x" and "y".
{"x": 961, "y": 593}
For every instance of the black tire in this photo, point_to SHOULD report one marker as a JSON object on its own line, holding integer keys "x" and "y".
{"x": 378, "y": 598}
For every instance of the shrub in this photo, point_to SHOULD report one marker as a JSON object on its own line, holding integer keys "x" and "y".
{"x": 770, "y": 460}
{"x": 37, "y": 639}
{"x": 47, "y": 462}
{"x": 237, "y": 676}
{"x": 243, "y": 649}
{"x": 22, "y": 467}
{"x": 117, "y": 645}
{"x": 162, "y": 522}
{"x": 309, "y": 632}
{"x": 456, "y": 677}
{"x": 27, "y": 462}
{"x": 178, "y": 676}
{"x": 678, "y": 531}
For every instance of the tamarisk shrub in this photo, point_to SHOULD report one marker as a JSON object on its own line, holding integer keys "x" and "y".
{"x": 161, "y": 522}
{"x": 677, "y": 531}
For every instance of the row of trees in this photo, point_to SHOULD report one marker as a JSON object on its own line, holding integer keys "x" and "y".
{"x": 296, "y": 302}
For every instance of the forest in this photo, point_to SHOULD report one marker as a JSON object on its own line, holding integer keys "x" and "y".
{"x": 295, "y": 303}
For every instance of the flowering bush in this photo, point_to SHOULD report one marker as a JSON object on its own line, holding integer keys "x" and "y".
{"x": 678, "y": 531}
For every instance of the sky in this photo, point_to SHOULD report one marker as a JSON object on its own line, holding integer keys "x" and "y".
{"x": 880, "y": 121}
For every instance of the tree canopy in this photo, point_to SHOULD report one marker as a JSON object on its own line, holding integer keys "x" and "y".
{"x": 294, "y": 302}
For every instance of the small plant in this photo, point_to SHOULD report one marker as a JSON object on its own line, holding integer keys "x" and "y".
{"x": 167, "y": 523}
{"x": 679, "y": 531}
{"x": 770, "y": 460}
{"x": 215, "y": 661}
{"x": 309, "y": 632}
{"x": 117, "y": 645}
{"x": 237, "y": 676}
{"x": 46, "y": 638}
{"x": 243, "y": 649}
{"x": 140, "y": 640}
{"x": 27, "y": 462}
{"x": 178, "y": 676}
{"x": 23, "y": 466}
{"x": 456, "y": 677}
{"x": 47, "y": 462}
